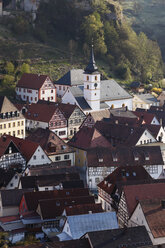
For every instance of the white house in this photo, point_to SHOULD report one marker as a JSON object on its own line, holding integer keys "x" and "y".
{"x": 144, "y": 101}
{"x": 34, "y": 87}
{"x": 94, "y": 94}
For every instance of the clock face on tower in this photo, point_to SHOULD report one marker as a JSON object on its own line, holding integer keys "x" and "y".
{"x": 95, "y": 85}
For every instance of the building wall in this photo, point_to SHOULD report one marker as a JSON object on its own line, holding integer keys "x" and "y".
{"x": 9, "y": 211}
{"x": 154, "y": 170}
{"x": 105, "y": 200}
{"x": 39, "y": 157}
{"x": 69, "y": 98}
{"x": 138, "y": 219}
{"x": 13, "y": 126}
{"x": 48, "y": 91}
{"x": 120, "y": 103}
{"x": 63, "y": 157}
{"x": 7, "y": 160}
{"x": 138, "y": 103}
{"x": 30, "y": 124}
{"x": 80, "y": 157}
{"x": 146, "y": 138}
{"x": 61, "y": 90}
{"x": 30, "y": 95}
{"x": 13, "y": 184}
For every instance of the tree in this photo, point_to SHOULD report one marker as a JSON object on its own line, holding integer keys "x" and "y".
{"x": 25, "y": 68}
{"x": 9, "y": 68}
{"x": 8, "y": 81}
{"x": 93, "y": 30}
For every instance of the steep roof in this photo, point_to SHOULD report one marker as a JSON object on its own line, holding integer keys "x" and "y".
{"x": 124, "y": 156}
{"x": 32, "y": 81}
{"x": 91, "y": 67}
{"x": 6, "y": 105}
{"x": 80, "y": 224}
{"x": 83, "y": 209}
{"x": 12, "y": 197}
{"x": 123, "y": 237}
{"x": 145, "y": 116}
{"x": 123, "y": 174}
{"x": 155, "y": 216}
{"x": 49, "y": 141}
{"x": 32, "y": 198}
{"x": 88, "y": 137}
{"x": 41, "y": 112}
{"x": 72, "y": 77}
{"x": 134, "y": 193}
{"x": 26, "y": 147}
{"x": 52, "y": 208}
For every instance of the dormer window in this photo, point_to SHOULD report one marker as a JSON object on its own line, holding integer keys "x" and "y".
{"x": 136, "y": 156}
{"x": 100, "y": 160}
{"x": 146, "y": 154}
{"x": 114, "y": 156}
{"x": 10, "y": 149}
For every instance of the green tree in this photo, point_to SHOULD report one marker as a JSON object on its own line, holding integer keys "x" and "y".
{"x": 9, "y": 68}
{"x": 25, "y": 68}
{"x": 8, "y": 81}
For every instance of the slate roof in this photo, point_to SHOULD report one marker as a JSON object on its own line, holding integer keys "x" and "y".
{"x": 46, "y": 138}
{"x": 79, "y": 243}
{"x": 123, "y": 174}
{"x": 124, "y": 237}
{"x": 145, "y": 116}
{"x": 32, "y": 198}
{"x": 12, "y": 197}
{"x": 72, "y": 184}
{"x": 88, "y": 137}
{"x": 91, "y": 67}
{"x": 32, "y": 81}
{"x": 6, "y": 176}
{"x": 72, "y": 77}
{"x": 84, "y": 209}
{"x": 147, "y": 98}
{"x": 135, "y": 193}
{"x": 155, "y": 216}
{"x": 26, "y": 147}
{"x": 53, "y": 208}
{"x": 110, "y": 90}
{"x": 80, "y": 224}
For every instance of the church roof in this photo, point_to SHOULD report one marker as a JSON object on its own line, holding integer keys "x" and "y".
{"x": 91, "y": 67}
{"x": 72, "y": 78}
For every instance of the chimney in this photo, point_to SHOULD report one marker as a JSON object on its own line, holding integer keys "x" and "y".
{"x": 163, "y": 204}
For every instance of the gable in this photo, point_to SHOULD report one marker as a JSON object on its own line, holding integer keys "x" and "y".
{"x": 146, "y": 137}
{"x": 11, "y": 148}
{"x": 88, "y": 122}
{"x": 47, "y": 84}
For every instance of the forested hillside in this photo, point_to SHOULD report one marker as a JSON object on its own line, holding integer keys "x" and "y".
{"x": 61, "y": 35}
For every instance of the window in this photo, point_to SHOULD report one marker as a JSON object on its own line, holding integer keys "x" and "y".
{"x": 4, "y": 125}
{"x": 59, "y": 87}
{"x": 51, "y": 91}
{"x": 66, "y": 156}
{"x": 18, "y": 132}
{"x": 87, "y": 87}
{"x": 87, "y": 78}
{"x": 34, "y": 157}
{"x": 18, "y": 124}
{"x": 62, "y": 133}
{"x": 42, "y": 156}
{"x": 19, "y": 89}
{"x": 0, "y": 126}
{"x": 10, "y": 149}
{"x": 14, "y": 133}
{"x": 96, "y": 78}
{"x": 64, "y": 88}
{"x": 97, "y": 180}
{"x": 43, "y": 92}
{"x": 11, "y": 185}
{"x": 31, "y": 98}
{"x": 51, "y": 97}
{"x": 58, "y": 158}
{"x": 22, "y": 122}
{"x": 95, "y": 94}
{"x": 22, "y": 131}
{"x": 35, "y": 99}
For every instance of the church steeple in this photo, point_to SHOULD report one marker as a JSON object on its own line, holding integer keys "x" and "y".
{"x": 91, "y": 67}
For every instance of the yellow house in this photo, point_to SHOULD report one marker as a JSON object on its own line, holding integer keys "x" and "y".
{"x": 12, "y": 122}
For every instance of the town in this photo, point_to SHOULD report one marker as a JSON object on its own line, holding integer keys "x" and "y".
{"x": 82, "y": 162}
{"x": 82, "y": 144}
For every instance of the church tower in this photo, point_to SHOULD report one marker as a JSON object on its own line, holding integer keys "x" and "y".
{"x": 92, "y": 84}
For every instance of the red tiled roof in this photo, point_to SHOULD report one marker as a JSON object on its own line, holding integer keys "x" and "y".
{"x": 83, "y": 209}
{"x": 155, "y": 216}
{"x": 88, "y": 137}
{"x": 123, "y": 174}
{"x": 135, "y": 193}
{"x": 27, "y": 148}
{"x": 146, "y": 117}
{"x": 32, "y": 198}
{"x": 6, "y": 219}
{"x": 52, "y": 208}
{"x": 41, "y": 112}
{"x": 32, "y": 81}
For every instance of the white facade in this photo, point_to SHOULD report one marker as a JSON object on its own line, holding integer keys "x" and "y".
{"x": 47, "y": 92}
{"x": 31, "y": 124}
{"x": 120, "y": 103}
{"x": 64, "y": 157}
{"x": 155, "y": 121}
{"x": 146, "y": 137}
{"x": 138, "y": 219}
{"x": 61, "y": 90}
{"x": 92, "y": 90}
{"x": 13, "y": 184}
{"x": 39, "y": 157}
{"x": 154, "y": 170}
{"x": 61, "y": 132}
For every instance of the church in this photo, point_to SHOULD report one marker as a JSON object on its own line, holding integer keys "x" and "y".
{"x": 89, "y": 92}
